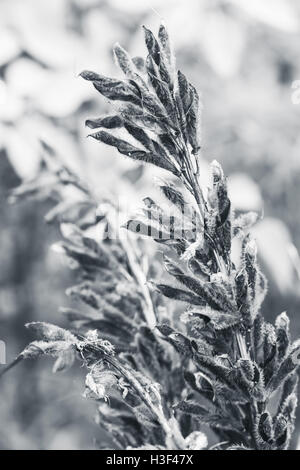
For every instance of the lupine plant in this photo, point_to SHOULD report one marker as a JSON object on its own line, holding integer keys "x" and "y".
{"x": 161, "y": 375}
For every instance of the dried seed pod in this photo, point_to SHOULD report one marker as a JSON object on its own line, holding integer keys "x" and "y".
{"x": 282, "y": 334}
{"x": 265, "y": 428}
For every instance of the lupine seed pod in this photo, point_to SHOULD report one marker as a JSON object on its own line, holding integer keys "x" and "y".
{"x": 288, "y": 366}
{"x": 289, "y": 408}
{"x": 265, "y": 428}
{"x": 282, "y": 334}
{"x": 289, "y": 388}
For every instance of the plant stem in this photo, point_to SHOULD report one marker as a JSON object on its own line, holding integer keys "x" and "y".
{"x": 142, "y": 282}
{"x": 175, "y": 438}
{"x": 201, "y": 203}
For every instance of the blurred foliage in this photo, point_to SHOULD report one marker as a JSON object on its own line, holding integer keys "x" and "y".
{"x": 244, "y": 57}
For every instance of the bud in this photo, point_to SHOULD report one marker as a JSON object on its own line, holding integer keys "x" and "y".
{"x": 265, "y": 427}
{"x": 216, "y": 171}
{"x": 251, "y": 248}
{"x": 282, "y": 333}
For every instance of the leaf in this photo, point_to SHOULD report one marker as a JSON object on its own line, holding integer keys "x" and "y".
{"x": 85, "y": 293}
{"x": 192, "y": 408}
{"x": 56, "y": 342}
{"x": 139, "y": 63}
{"x": 181, "y": 343}
{"x": 177, "y": 294}
{"x": 140, "y": 135}
{"x": 65, "y": 360}
{"x": 184, "y": 92}
{"x": 151, "y": 352}
{"x": 143, "y": 119}
{"x": 219, "y": 320}
{"x": 206, "y": 416}
{"x": 154, "y": 107}
{"x": 39, "y": 348}
{"x": 164, "y": 41}
{"x": 85, "y": 257}
{"x": 192, "y": 112}
{"x": 99, "y": 383}
{"x": 175, "y": 197}
{"x": 127, "y": 65}
{"x": 200, "y": 384}
{"x": 145, "y": 417}
{"x": 160, "y": 87}
{"x": 209, "y": 293}
{"x": 214, "y": 366}
{"x": 169, "y": 145}
{"x": 152, "y": 45}
{"x": 146, "y": 229}
{"x": 109, "y": 122}
{"x": 133, "y": 152}
{"x": 123, "y": 147}
{"x": 51, "y": 332}
{"x": 69, "y": 211}
{"x": 112, "y": 88}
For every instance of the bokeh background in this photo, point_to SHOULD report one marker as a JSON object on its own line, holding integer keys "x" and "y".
{"x": 244, "y": 57}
